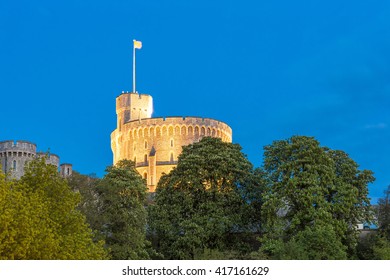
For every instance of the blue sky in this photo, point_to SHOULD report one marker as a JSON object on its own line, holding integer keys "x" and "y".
{"x": 270, "y": 69}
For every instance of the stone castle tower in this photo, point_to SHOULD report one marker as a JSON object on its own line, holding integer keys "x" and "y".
{"x": 15, "y": 154}
{"x": 154, "y": 144}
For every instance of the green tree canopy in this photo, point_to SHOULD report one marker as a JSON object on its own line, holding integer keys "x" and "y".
{"x": 38, "y": 219}
{"x": 86, "y": 186}
{"x": 206, "y": 202}
{"x": 122, "y": 194}
{"x": 384, "y": 214}
{"x": 312, "y": 188}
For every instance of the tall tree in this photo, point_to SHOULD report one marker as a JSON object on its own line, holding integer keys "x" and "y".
{"x": 206, "y": 202}
{"x": 38, "y": 219}
{"x": 312, "y": 189}
{"x": 122, "y": 194}
{"x": 384, "y": 213}
{"x": 86, "y": 186}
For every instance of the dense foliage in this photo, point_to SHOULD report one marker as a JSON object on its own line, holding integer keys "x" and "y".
{"x": 206, "y": 203}
{"x": 122, "y": 215}
{"x": 39, "y": 220}
{"x": 303, "y": 203}
{"x": 315, "y": 197}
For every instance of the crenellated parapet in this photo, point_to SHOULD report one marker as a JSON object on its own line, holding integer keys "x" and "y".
{"x": 14, "y": 155}
{"x": 19, "y": 146}
{"x": 50, "y": 158}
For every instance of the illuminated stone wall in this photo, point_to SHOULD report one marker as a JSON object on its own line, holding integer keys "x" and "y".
{"x": 155, "y": 143}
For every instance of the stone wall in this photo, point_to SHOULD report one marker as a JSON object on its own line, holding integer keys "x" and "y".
{"x": 155, "y": 143}
{"x": 14, "y": 155}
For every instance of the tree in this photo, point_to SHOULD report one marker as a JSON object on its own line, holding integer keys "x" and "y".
{"x": 312, "y": 189}
{"x": 122, "y": 194}
{"x": 206, "y": 202}
{"x": 86, "y": 186}
{"x": 377, "y": 244}
{"x": 384, "y": 214}
{"x": 38, "y": 219}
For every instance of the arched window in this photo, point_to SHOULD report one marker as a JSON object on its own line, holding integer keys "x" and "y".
{"x": 171, "y": 157}
{"x": 146, "y": 176}
{"x": 171, "y": 142}
{"x": 135, "y": 159}
{"x": 145, "y": 159}
{"x": 146, "y": 144}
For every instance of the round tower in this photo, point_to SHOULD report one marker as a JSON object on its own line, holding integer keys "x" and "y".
{"x": 50, "y": 158}
{"x": 154, "y": 144}
{"x": 14, "y": 155}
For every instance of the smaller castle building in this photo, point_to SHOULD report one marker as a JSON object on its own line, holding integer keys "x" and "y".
{"x": 14, "y": 155}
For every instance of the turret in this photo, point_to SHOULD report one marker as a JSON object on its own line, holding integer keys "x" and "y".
{"x": 65, "y": 170}
{"x": 133, "y": 106}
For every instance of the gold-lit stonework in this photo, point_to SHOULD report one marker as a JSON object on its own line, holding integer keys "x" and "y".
{"x": 155, "y": 143}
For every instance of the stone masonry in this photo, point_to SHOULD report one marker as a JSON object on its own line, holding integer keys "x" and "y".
{"x": 15, "y": 154}
{"x": 154, "y": 144}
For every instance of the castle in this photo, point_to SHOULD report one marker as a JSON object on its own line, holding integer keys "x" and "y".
{"x": 15, "y": 154}
{"x": 154, "y": 144}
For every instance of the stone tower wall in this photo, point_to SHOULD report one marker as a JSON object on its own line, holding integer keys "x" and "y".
{"x": 15, "y": 155}
{"x": 50, "y": 158}
{"x": 66, "y": 170}
{"x": 133, "y": 106}
{"x": 155, "y": 143}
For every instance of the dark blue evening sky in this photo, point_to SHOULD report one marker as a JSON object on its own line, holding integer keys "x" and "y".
{"x": 270, "y": 69}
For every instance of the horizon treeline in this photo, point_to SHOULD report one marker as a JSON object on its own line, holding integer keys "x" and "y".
{"x": 303, "y": 203}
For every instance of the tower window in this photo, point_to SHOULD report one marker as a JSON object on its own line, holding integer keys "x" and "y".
{"x": 146, "y": 144}
{"x": 146, "y": 158}
{"x": 171, "y": 157}
{"x": 14, "y": 166}
{"x": 171, "y": 142}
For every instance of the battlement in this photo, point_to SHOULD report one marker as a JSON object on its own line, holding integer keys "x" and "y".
{"x": 175, "y": 119}
{"x": 18, "y": 146}
{"x": 14, "y": 155}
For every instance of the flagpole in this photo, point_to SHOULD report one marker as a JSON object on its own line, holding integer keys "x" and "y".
{"x": 133, "y": 66}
